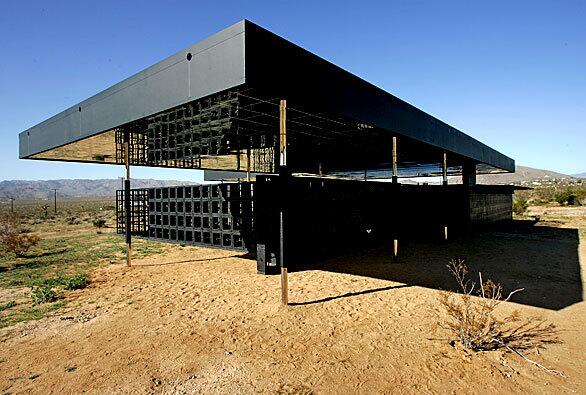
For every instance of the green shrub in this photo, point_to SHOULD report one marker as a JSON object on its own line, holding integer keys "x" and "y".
{"x": 43, "y": 294}
{"x": 572, "y": 199}
{"x": 520, "y": 205}
{"x": 73, "y": 220}
{"x": 99, "y": 223}
{"x": 567, "y": 197}
{"x": 14, "y": 237}
{"x": 8, "y": 305}
{"x": 76, "y": 282}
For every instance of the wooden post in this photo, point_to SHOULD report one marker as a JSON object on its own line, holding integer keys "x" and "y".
{"x": 283, "y": 133}
{"x": 395, "y": 180}
{"x": 283, "y": 176}
{"x": 445, "y": 169}
{"x": 55, "y": 195}
{"x": 445, "y": 183}
{"x": 248, "y": 163}
{"x": 284, "y": 274}
{"x": 127, "y": 206}
{"x": 395, "y": 175}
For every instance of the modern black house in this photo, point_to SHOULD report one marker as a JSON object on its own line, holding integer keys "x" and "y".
{"x": 299, "y": 147}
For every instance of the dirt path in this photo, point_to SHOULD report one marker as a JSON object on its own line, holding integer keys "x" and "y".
{"x": 199, "y": 320}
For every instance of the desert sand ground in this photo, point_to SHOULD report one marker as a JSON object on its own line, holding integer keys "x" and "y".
{"x": 197, "y": 320}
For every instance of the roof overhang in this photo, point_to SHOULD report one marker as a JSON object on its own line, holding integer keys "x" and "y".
{"x": 246, "y": 56}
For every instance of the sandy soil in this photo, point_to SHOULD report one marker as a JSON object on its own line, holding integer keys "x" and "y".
{"x": 199, "y": 320}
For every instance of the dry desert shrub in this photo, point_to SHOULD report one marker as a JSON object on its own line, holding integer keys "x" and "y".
{"x": 476, "y": 325}
{"x": 474, "y": 322}
{"x": 13, "y": 238}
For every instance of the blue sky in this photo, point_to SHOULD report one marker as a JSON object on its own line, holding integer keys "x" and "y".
{"x": 511, "y": 74}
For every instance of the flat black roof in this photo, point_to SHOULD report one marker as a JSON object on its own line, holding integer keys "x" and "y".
{"x": 249, "y": 58}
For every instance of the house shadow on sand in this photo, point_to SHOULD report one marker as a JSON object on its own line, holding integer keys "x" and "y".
{"x": 543, "y": 260}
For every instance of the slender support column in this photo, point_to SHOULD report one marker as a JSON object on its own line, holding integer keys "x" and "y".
{"x": 55, "y": 200}
{"x": 283, "y": 133}
{"x": 127, "y": 208}
{"x": 445, "y": 169}
{"x": 283, "y": 176}
{"x": 284, "y": 279}
{"x": 248, "y": 163}
{"x": 395, "y": 175}
{"x": 395, "y": 181}
{"x": 445, "y": 183}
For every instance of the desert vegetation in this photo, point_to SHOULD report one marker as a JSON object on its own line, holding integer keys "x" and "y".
{"x": 356, "y": 324}
{"x": 557, "y": 195}
{"x": 477, "y": 325}
{"x": 45, "y": 257}
{"x": 14, "y": 237}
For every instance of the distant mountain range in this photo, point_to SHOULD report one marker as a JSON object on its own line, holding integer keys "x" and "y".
{"x": 24, "y": 190}
{"x": 524, "y": 175}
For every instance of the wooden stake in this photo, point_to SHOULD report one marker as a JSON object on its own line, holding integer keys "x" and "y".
{"x": 284, "y": 280}
{"x": 283, "y": 132}
{"x": 445, "y": 169}
{"x": 248, "y": 164}
{"x": 445, "y": 233}
{"x": 395, "y": 250}
{"x": 284, "y": 287}
{"x": 394, "y": 159}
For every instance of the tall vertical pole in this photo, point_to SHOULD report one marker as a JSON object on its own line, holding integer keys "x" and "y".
{"x": 283, "y": 196}
{"x": 127, "y": 209}
{"x": 395, "y": 160}
{"x": 12, "y": 205}
{"x": 55, "y": 200}
{"x": 445, "y": 183}
{"x": 283, "y": 133}
{"x": 395, "y": 180}
{"x": 248, "y": 163}
{"x": 445, "y": 169}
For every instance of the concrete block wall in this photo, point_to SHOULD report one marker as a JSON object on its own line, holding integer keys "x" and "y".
{"x": 488, "y": 208}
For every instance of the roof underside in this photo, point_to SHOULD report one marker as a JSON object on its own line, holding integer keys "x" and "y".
{"x": 215, "y": 105}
